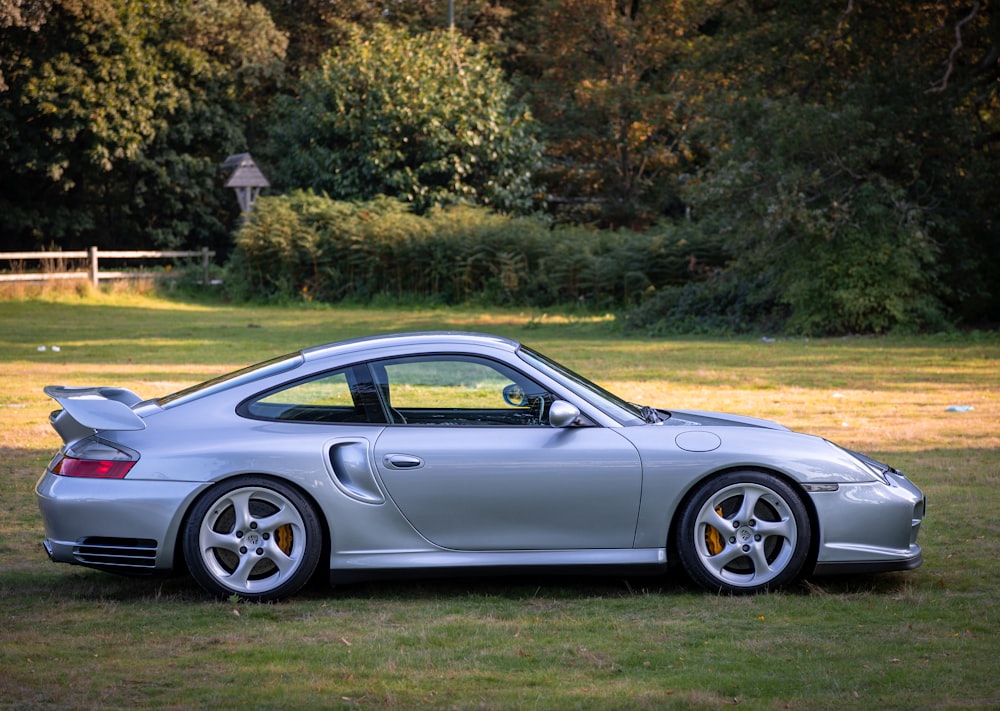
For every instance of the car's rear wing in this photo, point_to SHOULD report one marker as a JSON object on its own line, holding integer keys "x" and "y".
{"x": 86, "y": 410}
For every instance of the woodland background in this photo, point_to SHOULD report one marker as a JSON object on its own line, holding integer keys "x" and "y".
{"x": 697, "y": 165}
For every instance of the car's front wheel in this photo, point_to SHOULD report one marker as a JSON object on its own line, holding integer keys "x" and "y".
{"x": 252, "y": 537}
{"x": 744, "y": 532}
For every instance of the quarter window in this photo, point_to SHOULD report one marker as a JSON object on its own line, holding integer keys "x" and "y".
{"x": 340, "y": 396}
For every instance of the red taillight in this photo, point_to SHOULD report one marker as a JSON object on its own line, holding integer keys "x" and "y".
{"x": 92, "y": 468}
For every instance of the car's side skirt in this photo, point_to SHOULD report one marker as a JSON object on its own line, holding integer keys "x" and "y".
{"x": 355, "y": 567}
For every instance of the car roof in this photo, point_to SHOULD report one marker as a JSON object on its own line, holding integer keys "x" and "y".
{"x": 412, "y": 339}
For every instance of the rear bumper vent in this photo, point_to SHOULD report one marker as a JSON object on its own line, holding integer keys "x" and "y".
{"x": 117, "y": 554}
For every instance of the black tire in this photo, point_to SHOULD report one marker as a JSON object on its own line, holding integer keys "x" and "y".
{"x": 744, "y": 532}
{"x": 253, "y": 537}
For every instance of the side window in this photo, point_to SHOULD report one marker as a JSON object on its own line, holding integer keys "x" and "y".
{"x": 457, "y": 390}
{"x": 340, "y": 396}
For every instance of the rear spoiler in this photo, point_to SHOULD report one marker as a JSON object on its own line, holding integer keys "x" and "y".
{"x": 98, "y": 408}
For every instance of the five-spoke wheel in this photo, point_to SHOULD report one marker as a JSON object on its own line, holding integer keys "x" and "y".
{"x": 253, "y": 537}
{"x": 744, "y": 532}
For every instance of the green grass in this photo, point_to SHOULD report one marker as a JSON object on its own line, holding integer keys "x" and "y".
{"x": 74, "y": 638}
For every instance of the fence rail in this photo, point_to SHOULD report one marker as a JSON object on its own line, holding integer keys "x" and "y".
{"x": 48, "y": 260}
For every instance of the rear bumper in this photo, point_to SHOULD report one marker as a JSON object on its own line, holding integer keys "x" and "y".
{"x": 126, "y": 526}
{"x": 133, "y": 556}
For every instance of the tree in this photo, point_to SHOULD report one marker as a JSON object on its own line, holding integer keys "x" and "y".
{"x": 80, "y": 101}
{"x": 424, "y": 117}
{"x": 849, "y": 143}
{"x": 809, "y": 218}
{"x": 315, "y": 26}
{"x": 607, "y": 82}
{"x": 224, "y": 59}
{"x": 117, "y": 115}
{"x": 18, "y": 15}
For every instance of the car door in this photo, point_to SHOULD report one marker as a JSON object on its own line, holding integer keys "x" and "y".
{"x": 472, "y": 464}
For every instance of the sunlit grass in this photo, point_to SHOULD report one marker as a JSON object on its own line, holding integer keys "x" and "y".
{"x": 74, "y": 638}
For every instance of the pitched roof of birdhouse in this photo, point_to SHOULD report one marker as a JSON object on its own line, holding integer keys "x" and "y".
{"x": 245, "y": 173}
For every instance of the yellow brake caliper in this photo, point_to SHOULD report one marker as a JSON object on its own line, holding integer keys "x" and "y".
{"x": 713, "y": 539}
{"x": 283, "y": 537}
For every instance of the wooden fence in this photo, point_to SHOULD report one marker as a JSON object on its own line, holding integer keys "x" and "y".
{"x": 48, "y": 264}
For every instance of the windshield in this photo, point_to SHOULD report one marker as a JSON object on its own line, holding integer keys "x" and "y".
{"x": 609, "y": 403}
{"x": 230, "y": 380}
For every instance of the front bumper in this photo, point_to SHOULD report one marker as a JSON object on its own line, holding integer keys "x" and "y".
{"x": 869, "y": 527}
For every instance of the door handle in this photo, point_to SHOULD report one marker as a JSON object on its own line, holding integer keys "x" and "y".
{"x": 402, "y": 461}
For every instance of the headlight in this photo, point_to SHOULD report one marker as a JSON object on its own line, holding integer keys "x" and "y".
{"x": 876, "y": 467}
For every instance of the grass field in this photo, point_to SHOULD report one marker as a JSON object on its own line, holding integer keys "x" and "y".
{"x": 74, "y": 638}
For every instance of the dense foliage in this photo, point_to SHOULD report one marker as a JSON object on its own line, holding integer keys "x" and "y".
{"x": 117, "y": 114}
{"x": 846, "y": 160}
{"x": 843, "y": 153}
{"x": 832, "y": 241}
{"x": 608, "y": 82}
{"x": 426, "y": 118}
{"x": 303, "y": 247}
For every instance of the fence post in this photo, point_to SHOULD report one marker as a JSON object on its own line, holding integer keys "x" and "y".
{"x": 204, "y": 267}
{"x": 93, "y": 265}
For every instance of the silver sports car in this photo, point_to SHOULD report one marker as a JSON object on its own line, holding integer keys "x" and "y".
{"x": 432, "y": 453}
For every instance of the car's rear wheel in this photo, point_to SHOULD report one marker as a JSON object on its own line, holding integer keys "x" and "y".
{"x": 252, "y": 537}
{"x": 744, "y": 532}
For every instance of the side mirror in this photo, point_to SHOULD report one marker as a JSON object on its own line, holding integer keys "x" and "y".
{"x": 515, "y": 396}
{"x": 563, "y": 414}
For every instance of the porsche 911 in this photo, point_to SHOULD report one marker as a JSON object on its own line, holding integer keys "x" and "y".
{"x": 435, "y": 454}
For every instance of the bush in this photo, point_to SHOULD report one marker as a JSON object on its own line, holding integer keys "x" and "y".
{"x": 723, "y": 304}
{"x": 814, "y": 223}
{"x": 306, "y": 246}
